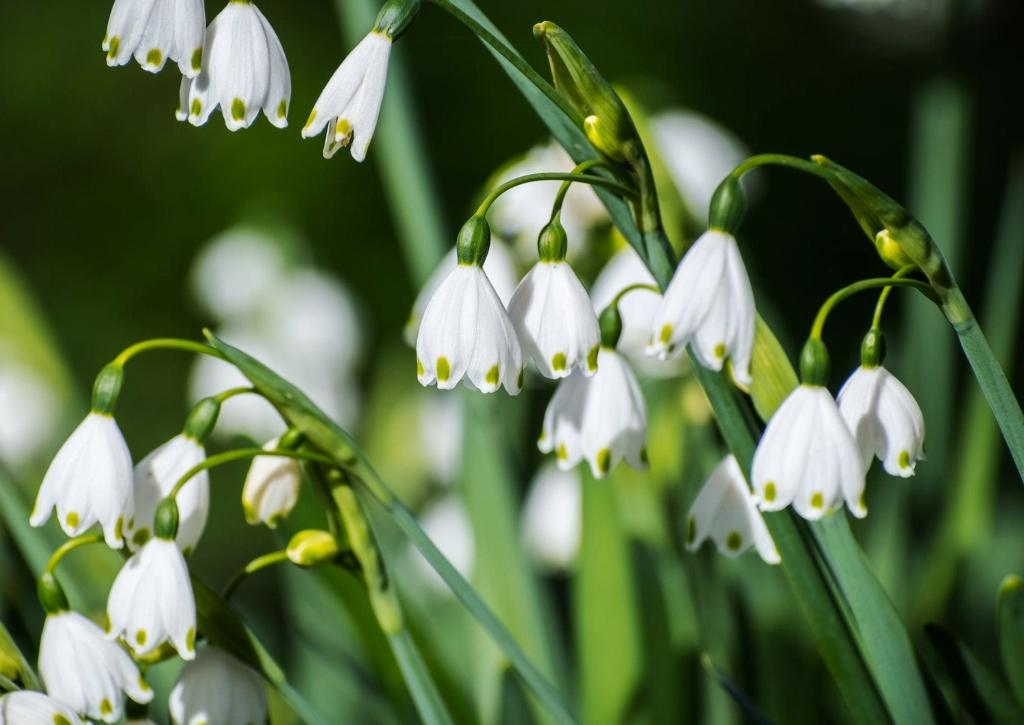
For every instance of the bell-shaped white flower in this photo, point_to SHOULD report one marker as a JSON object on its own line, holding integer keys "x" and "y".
{"x": 84, "y": 669}
{"x": 808, "y": 457}
{"x": 600, "y": 418}
{"x": 25, "y": 707}
{"x": 271, "y": 487}
{"x": 708, "y": 303}
{"x": 244, "y": 70}
{"x": 151, "y": 600}
{"x": 726, "y": 511}
{"x": 466, "y": 333}
{"x": 155, "y": 31}
{"x": 217, "y": 688}
{"x": 500, "y": 268}
{"x": 555, "y": 321}
{"x": 885, "y": 419}
{"x": 553, "y": 518}
{"x": 155, "y": 476}
{"x": 350, "y": 103}
{"x": 89, "y": 480}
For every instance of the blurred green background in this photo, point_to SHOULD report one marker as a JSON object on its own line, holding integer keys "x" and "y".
{"x": 107, "y": 200}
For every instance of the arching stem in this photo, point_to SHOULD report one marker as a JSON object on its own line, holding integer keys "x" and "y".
{"x": 257, "y": 564}
{"x": 553, "y": 176}
{"x": 165, "y": 343}
{"x": 862, "y": 285}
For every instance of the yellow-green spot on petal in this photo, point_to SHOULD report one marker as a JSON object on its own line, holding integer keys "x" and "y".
{"x": 154, "y": 57}
{"x": 342, "y": 130}
{"x": 196, "y": 108}
{"x": 114, "y": 46}
{"x": 72, "y": 519}
{"x": 197, "y": 59}
{"x": 666, "y": 333}
{"x": 282, "y": 109}
{"x": 691, "y": 530}
{"x": 59, "y": 719}
{"x": 238, "y": 109}
{"x": 862, "y": 502}
{"x": 558, "y": 362}
{"x": 443, "y": 368}
{"x": 311, "y": 119}
{"x": 143, "y": 685}
{"x": 604, "y": 460}
{"x": 190, "y": 639}
{"x": 492, "y": 376}
{"x": 119, "y": 527}
{"x": 520, "y": 377}
{"x": 817, "y": 500}
{"x": 720, "y": 350}
{"x": 592, "y": 358}
{"x": 140, "y": 637}
{"x": 733, "y": 541}
{"x": 904, "y": 459}
{"x": 105, "y": 707}
{"x": 140, "y": 537}
{"x": 769, "y": 491}
{"x": 106, "y": 624}
{"x": 186, "y": 552}
{"x": 420, "y": 370}
{"x": 561, "y": 453}
{"x": 543, "y": 435}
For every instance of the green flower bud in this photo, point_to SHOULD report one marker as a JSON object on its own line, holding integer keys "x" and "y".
{"x": 890, "y": 251}
{"x": 602, "y": 136}
{"x": 395, "y": 17}
{"x": 201, "y": 419}
{"x": 474, "y": 241}
{"x": 872, "y": 348}
{"x": 311, "y": 547}
{"x": 291, "y": 440}
{"x": 728, "y": 206}
{"x": 51, "y": 594}
{"x": 165, "y": 524}
{"x": 814, "y": 363}
{"x": 107, "y": 388}
{"x": 552, "y": 243}
{"x": 610, "y": 323}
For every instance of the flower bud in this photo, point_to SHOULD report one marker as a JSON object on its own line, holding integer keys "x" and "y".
{"x": 814, "y": 363}
{"x": 872, "y": 348}
{"x": 311, "y": 547}
{"x": 474, "y": 241}
{"x": 107, "y": 388}
{"x": 890, "y": 251}
{"x": 201, "y": 419}
{"x": 610, "y": 323}
{"x": 395, "y": 17}
{"x": 602, "y": 136}
{"x": 165, "y": 521}
{"x": 552, "y": 242}
{"x": 728, "y": 206}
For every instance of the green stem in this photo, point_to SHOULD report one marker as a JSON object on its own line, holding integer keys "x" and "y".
{"x": 632, "y": 288}
{"x": 257, "y": 564}
{"x": 240, "y": 454}
{"x": 790, "y": 162}
{"x": 232, "y": 392}
{"x": 165, "y": 343}
{"x": 556, "y": 207}
{"x": 876, "y": 320}
{"x": 864, "y": 284}
{"x": 7, "y": 685}
{"x": 553, "y": 176}
{"x": 67, "y": 547}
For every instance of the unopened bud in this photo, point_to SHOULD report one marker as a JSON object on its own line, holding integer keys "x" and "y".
{"x": 728, "y": 206}
{"x": 107, "y": 388}
{"x": 201, "y": 419}
{"x": 165, "y": 524}
{"x": 552, "y": 243}
{"x": 610, "y": 323}
{"x": 311, "y": 547}
{"x": 395, "y": 17}
{"x": 474, "y": 241}
{"x": 814, "y": 365}
{"x": 872, "y": 348}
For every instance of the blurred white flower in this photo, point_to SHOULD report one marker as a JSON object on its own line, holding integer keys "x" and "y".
{"x": 885, "y": 419}
{"x": 89, "y": 481}
{"x": 80, "y": 667}
{"x": 25, "y": 434}
{"x": 552, "y": 517}
{"x": 441, "y": 424}
{"x": 151, "y": 601}
{"x": 698, "y": 153}
{"x": 350, "y": 103}
{"x": 215, "y": 688}
{"x": 726, "y": 512}
{"x": 155, "y": 30}
{"x": 446, "y": 523}
{"x": 466, "y": 333}
{"x": 236, "y": 271}
{"x": 25, "y": 707}
{"x": 602, "y": 418}
{"x": 271, "y": 487}
{"x": 244, "y": 69}
{"x": 499, "y": 266}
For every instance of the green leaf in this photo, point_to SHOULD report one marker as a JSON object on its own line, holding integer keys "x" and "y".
{"x": 1011, "y": 633}
{"x": 424, "y": 693}
{"x": 772, "y": 376}
{"x": 13, "y": 664}
{"x": 326, "y": 435}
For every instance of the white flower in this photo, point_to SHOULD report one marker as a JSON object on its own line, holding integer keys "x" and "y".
{"x": 151, "y": 600}
{"x": 350, "y": 102}
{"x": 25, "y": 707}
{"x": 726, "y": 511}
{"x": 698, "y": 153}
{"x": 808, "y": 457}
{"x": 555, "y": 321}
{"x": 709, "y": 302}
{"x": 216, "y": 688}
{"x": 885, "y": 419}
{"x": 441, "y": 431}
{"x": 244, "y": 69}
{"x": 447, "y": 525}
{"x": 155, "y": 476}
{"x": 600, "y": 418}
{"x": 25, "y": 435}
{"x": 500, "y": 268}
{"x": 552, "y": 517}
{"x": 236, "y": 271}
{"x": 155, "y": 30}
{"x": 271, "y": 487}
{"x": 82, "y": 668}
{"x": 89, "y": 480}
{"x": 466, "y": 332}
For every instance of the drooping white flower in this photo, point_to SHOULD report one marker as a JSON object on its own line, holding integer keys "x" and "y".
{"x": 244, "y": 70}
{"x": 155, "y": 476}
{"x": 447, "y": 524}
{"x": 155, "y": 30}
{"x": 350, "y": 103}
{"x": 500, "y": 268}
{"x": 808, "y": 457}
{"x": 600, "y": 418}
{"x": 217, "y": 688}
{"x": 151, "y": 600}
{"x": 26, "y": 707}
{"x": 89, "y": 480}
{"x": 553, "y": 517}
{"x": 885, "y": 419}
{"x": 466, "y": 333}
{"x": 726, "y": 511}
{"x": 555, "y": 321}
{"x": 271, "y": 487}
{"x": 85, "y": 670}
{"x": 709, "y": 303}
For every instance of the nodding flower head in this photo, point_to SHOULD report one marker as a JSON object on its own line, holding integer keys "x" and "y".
{"x": 155, "y": 31}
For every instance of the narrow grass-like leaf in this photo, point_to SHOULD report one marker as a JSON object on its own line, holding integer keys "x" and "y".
{"x": 771, "y": 381}
{"x": 428, "y": 702}
{"x": 1011, "y": 633}
{"x": 722, "y": 678}
{"x": 13, "y": 664}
